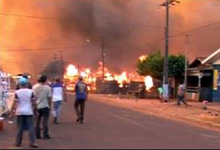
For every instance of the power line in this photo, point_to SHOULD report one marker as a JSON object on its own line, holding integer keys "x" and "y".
{"x": 129, "y": 25}
{"x": 195, "y": 29}
{"x": 60, "y": 19}
{"x": 42, "y": 49}
{"x": 155, "y": 41}
{"x": 183, "y": 33}
{"x": 28, "y": 16}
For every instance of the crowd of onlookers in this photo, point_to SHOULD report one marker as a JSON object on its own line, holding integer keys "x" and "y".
{"x": 32, "y": 106}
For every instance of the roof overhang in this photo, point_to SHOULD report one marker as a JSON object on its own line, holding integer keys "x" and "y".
{"x": 212, "y": 58}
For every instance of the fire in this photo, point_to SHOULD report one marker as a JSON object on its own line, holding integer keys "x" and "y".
{"x": 122, "y": 79}
{"x": 83, "y": 74}
{"x": 109, "y": 77}
{"x": 148, "y": 82}
{"x": 87, "y": 71}
{"x": 143, "y": 57}
{"x": 71, "y": 71}
{"x": 90, "y": 77}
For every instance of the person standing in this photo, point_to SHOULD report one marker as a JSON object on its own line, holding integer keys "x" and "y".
{"x": 23, "y": 107}
{"x": 81, "y": 96}
{"x": 43, "y": 96}
{"x": 29, "y": 85}
{"x": 58, "y": 95}
{"x": 160, "y": 93}
{"x": 181, "y": 94}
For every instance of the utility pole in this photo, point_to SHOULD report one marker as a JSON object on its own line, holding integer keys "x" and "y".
{"x": 186, "y": 60}
{"x": 62, "y": 64}
{"x": 102, "y": 38}
{"x": 166, "y": 56}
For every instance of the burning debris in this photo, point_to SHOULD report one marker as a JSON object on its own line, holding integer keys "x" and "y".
{"x": 111, "y": 80}
{"x": 148, "y": 82}
{"x": 71, "y": 71}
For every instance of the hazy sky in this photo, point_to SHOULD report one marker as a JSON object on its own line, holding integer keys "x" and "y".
{"x": 130, "y": 28}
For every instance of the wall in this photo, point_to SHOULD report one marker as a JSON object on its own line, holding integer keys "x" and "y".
{"x": 216, "y": 92}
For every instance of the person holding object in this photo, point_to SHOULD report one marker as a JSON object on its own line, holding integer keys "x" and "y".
{"x": 23, "y": 108}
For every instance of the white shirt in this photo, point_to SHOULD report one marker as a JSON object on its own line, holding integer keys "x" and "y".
{"x": 24, "y": 101}
{"x": 57, "y": 92}
{"x": 181, "y": 89}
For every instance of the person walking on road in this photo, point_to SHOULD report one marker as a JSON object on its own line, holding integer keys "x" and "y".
{"x": 181, "y": 94}
{"x": 58, "y": 95}
{"x": 81, "y": 97}
{"x": 43, "y": 95}
{"x": 23, "y": 107}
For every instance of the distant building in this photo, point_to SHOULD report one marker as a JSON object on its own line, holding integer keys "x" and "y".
{"x": 203, "y": 78}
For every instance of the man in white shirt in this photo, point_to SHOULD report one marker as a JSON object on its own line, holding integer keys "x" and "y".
{"x": 23, "y": 105}
{"x": 43, "y": 95}
{"x": 58, "y": 95}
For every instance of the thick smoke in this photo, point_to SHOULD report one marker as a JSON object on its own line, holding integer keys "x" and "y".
{"x": 129, "y": 28}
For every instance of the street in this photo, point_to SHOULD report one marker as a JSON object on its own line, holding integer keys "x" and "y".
{"x": 114, "y": 127}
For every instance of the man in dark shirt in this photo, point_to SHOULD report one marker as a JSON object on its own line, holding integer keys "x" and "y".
{"x": 81, "y": 97}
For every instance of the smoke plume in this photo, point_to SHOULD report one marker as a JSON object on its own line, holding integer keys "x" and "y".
{"x": 130, "y": 28}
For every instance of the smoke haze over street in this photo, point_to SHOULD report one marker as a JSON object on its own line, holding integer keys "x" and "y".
{"x": 32, "y": 31}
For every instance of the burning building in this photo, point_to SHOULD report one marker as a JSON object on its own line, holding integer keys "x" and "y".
{"x": 113, "y": 83}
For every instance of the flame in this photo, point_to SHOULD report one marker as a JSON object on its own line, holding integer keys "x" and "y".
{"x": 122, "y": 79}
{"x": 71, "y": 71}
{"x": 109, "y": 77}
{"x": 90, "y": 77}
{"x": 83, "y": 74}
{"x": 143, "y": 57}
{"x": 148, "y": 82}
{"x": 87, "y": 71}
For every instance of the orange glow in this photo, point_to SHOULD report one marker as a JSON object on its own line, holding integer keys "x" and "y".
{"x": 148, "y": 82}
{"x": 83, "y": 74}
{"x": 91, "y": 77}
{"x": 143, "y": 57}
{"x": 87, "y": 71}
{"x": 109, "y": 77}
{"x": 71, "y": 71}
{"x": 122, "y": 79}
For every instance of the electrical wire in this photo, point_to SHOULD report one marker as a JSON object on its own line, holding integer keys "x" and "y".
{"x": 27, "y": 16}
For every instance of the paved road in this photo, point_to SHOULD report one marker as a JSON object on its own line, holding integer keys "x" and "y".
{"x": 113, "y": 127}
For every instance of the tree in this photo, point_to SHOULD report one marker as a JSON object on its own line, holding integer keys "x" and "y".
{"x": 176, "y": 66}
{"x": 151, "y": 65}
{"x": 53, "y": 69}
{"x": 176, "y": 70}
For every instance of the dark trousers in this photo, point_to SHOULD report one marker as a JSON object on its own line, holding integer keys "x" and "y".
{"x": 25, "y": 123}
{"x": 80, "y": 103}
{"x": 42, "y": 113}
{"x": 181, "y": 99}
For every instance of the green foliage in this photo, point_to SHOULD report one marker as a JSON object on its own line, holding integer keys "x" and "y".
{"x": 153, "y": 65}
{"x": 176, "y": 65}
